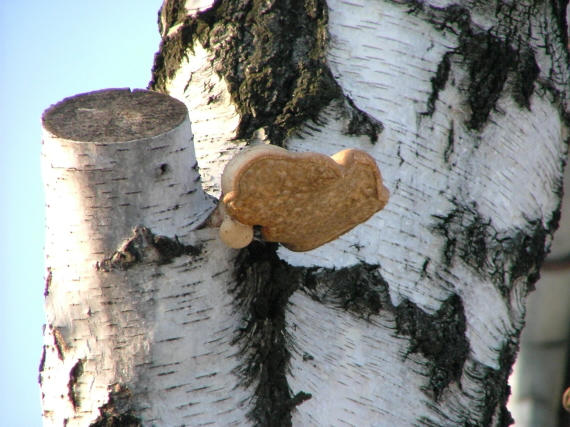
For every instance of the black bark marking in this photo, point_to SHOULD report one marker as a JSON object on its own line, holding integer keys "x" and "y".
{"x": 172, "y": 248}
{"x": 501, "y": 257}
{"x": 362, "y": 291}
{"x": 491, "y": 58}
{"x": 450, "y": 143}
{"x": 496, "y": 386}
{"x": 117, "y": 412}
{"x": 48, "y": 282}
{"x": 273, "y": 58}
{"x": 145, "y": 246}
{"x": 42, "y": 365}
{"x": 559, "y": 8}
{"x": 466, "y": 235}
{"x": 72, "y": 391}
{"x": 263, "y": 287}
{"x": 527, "y": 73}
{"x": 528, "y": 250}
{"x": 439, "y": 337}
{"x": 425, "y": 266}
{"x": 438, "y": 83}
{"x": 399, "y": 154}
{"x": 361, "y": 123}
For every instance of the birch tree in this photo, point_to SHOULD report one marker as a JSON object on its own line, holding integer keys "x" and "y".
{"x": 411, "y": 318}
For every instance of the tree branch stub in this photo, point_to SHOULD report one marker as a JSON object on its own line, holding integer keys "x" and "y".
{"x": 113, "y": 160}
{"x": 114, "y": 115}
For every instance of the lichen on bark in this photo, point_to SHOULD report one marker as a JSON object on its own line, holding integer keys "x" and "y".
{"x": 273, "y": 59}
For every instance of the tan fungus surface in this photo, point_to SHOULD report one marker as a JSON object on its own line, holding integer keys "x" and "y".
{"x": 302, "y": 200}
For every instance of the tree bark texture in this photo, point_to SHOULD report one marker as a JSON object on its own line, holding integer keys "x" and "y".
{"x": 120, "y": 160}
{"x": 412, "y": 318}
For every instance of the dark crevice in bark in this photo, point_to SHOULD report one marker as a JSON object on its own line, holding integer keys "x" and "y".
{"x": 450, "y": 143}
{"x": 502, "y": 257}
{"x": 527, "y": 73}
{"x": 74, "y": 375}
{"x": 145, "y": 246}
{"x": 117, "y": 412}
{"x": 495, "y": 386}
{"x": 42, "y": 365}
{"x": 439, "y": 337}
{"x": 273, "y": 58}
{"x": 263, "y": 287}
{"x": 559, "y": 8}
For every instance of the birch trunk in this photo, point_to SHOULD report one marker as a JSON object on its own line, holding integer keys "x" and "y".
{"x": 412, "y": 318}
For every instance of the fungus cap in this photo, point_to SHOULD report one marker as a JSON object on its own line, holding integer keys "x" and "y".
{"x": 301, "y": 200}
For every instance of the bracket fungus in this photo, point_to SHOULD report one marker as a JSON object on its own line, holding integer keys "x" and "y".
{"x": 301, "y": 200}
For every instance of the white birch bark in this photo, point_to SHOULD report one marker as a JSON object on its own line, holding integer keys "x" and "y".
{"x": 539, "y": 376}
{"x": 156, "y": 332}
{"x": 412, "y": 318}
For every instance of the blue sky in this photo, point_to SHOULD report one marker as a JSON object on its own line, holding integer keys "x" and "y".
{"x": 49, "y": 50}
